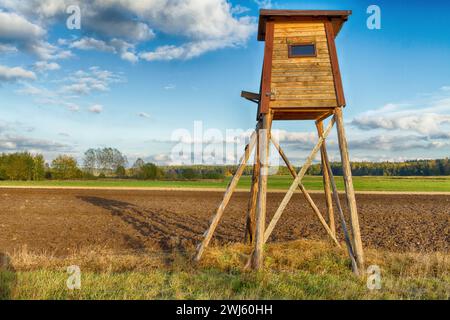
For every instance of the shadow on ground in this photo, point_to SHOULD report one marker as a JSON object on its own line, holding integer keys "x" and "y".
{"x": 169, "y": 230}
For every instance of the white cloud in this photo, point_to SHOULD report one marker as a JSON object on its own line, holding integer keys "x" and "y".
{"x": 96, "y": 108}
{"x": 427, "y": 116}
{"x": 83, "y": 82}
{"x": 16, "y": 73}
{"x": 17, "y": 32}
{"x": 42, "y": 66}
{"x": 14, "y": 27}
{"x": 129, "y": 56}
{"x": 124, "y": 49}
{"x": 12, "y": 139}
{"x": 205, "y": 25}
{"x": 91, "y": 44}
{"x": 425, "y": 123}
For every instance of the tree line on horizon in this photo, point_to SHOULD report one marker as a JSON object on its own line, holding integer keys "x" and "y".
{"x": 111, "y": 163}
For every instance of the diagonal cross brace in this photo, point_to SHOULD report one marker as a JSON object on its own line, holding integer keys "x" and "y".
{"x": 341, "y": 213}
{"x": 226, "y": 198}
{"x": 305, "y": 193}
{"x": 297, "y": 181}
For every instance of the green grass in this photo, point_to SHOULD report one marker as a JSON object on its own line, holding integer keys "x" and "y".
{"x": 407, "y": 184}
{"x": 296, "y": 270}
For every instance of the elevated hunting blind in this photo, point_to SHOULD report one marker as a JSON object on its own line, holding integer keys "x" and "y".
{"x": 300, "y": 81}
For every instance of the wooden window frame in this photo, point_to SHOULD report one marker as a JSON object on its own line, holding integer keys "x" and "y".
{"x": 290, "y": 55}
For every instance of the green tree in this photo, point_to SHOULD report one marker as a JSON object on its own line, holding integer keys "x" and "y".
{"x": 65, "y": 167}
{"x": 121, "y": 172}
{"x": 38, "y": 167}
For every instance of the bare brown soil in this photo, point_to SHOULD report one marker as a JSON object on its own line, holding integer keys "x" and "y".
{"x": 60, "y": 221}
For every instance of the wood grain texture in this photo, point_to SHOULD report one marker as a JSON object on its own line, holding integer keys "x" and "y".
{"x": 340, "y": 211}
{"x": 250, "y": 228}
{"x": 335, "y": 64}
{"x": 349, "y": 190}
{"x": 257, "y": 258}
{"x": 338, "y": 18}
{"x": 300, "y": 82}
{"x": 326, "y": 181}
{"x": 267, "y": 70}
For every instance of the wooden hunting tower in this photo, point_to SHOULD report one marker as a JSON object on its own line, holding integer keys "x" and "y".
{"x": 300, "y": 81}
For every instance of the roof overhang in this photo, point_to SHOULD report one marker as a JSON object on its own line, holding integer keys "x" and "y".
{"x": 337, "y": 17}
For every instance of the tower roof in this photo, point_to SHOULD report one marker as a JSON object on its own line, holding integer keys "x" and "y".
{"x": 338, "y": 17}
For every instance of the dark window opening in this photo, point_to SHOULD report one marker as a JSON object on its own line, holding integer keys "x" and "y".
{"x": 302, "y": 50}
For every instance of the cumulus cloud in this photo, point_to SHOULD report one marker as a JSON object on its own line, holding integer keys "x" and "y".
{"x": 10, "y": 143}
{"x": 91, "y": 44}
{"x": 8, "y": 74}
{"x": 205, "y": 25}
{"x": 16, "y": 32}
{"x": 125, "y": 49}
{"x": 426, "y": 123}
{"x": 427, "y": 116}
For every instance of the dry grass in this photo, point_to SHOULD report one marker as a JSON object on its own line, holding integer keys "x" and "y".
{"x": 294, "y": 270}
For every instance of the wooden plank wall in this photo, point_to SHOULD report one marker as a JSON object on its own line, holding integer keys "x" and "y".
{"x": 303, "y": 81}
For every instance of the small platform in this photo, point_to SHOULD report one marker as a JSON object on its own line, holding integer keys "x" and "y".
{"x": 317, "y": 114}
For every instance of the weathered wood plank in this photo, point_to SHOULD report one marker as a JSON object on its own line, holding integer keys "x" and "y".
{"x": 258, "y": 254}
{"x": 304, "y": 84}
{"x": 302, "y": 103}
{"x": 350, "y": 192}
{"x": 266, "y": 81}
{"x": 276, "y": 79}
{"x": 250, "y": 227}
{"x": 303, "y": 91}
{"x": 341, "y": 213}
{"x": 335, "y": 64}
{"x": 326, "y": 180}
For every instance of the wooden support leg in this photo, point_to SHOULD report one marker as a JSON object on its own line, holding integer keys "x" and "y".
{"x": 257, "y": 261}
{"x": 226, "y": 198}
{"x": 348, "y": 243}
{"x": 249, "y": 236}
{"x": 305, "y": 193}
{"x": 326, "y": 182}
{"x": 350, "y": 192}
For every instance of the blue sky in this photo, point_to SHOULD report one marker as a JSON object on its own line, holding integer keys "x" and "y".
{"x": 138, "y": 71}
